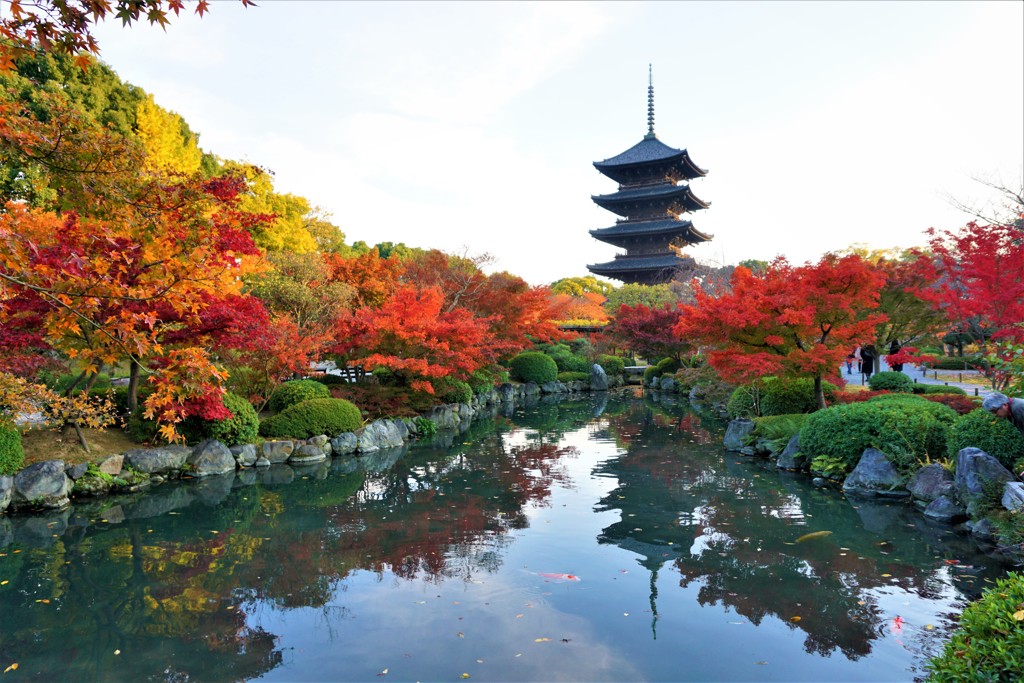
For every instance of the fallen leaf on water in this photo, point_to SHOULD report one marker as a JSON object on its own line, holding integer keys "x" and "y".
{"x": 542, "y": 640}
{"x": 464, "y": 676}
{"x": 4, "y": 582}
{"x": 117, "y": 652}
{"x": 12, "y": 667}
{"x": 929, "y": 627}
{"x": 794, "y": 619}
{"x": 519, "y": 616}
{"x": 886, "y": 576}
{"x": 461, "y": 634}
{"x": 383, "y": 673}
{"x": 625, "y": 614}
{"x": 813, "y": 534}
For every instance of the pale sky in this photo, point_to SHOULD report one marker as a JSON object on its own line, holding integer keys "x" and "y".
{"x": 473, "y": 126}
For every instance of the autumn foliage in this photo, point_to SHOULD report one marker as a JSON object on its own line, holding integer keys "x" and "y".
{"x": 798, "y": 321}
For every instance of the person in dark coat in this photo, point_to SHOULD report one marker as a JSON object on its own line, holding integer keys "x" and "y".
{"x": 894, "y": 348}
{"x": 867, "y": 357}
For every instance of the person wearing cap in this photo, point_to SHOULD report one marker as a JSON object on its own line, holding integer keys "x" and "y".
{"x": 1001, "y": 406}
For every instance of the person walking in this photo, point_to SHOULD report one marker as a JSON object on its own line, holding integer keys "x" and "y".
{"x": 894, "y": 348}
{"x": 867, "y": 359}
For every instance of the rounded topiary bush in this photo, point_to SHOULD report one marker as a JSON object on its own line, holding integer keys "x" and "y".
{"x": 533, "y": 366}
{"x": 613, "y": 365}
{"x": 330, "y": 416}
{"x": 908, "y": 431}
{"x": 451, "y": 390}
{"x": 777, "y": 396}
{"x": 573, "y": 377}
{"x": 241, "y": 428}
{"x": 995, "y": 435}
{"x": 937, "y": 389}
{"x": 297, "y": 391}
{"x": 890, "y": 380}
{"x": 988, "y": 644}
{"x": 650, "y": 372}
{"x": 12, "y": 455}
{"x": 667, "y": 366}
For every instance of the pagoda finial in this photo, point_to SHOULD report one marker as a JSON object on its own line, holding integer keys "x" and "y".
{"x": 650, "y": 104}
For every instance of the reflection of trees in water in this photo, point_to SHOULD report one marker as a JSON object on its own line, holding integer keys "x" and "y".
{"x": 730, "y": 528}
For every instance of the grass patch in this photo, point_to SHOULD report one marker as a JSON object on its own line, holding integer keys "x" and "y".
{"x": 43, "y": 444}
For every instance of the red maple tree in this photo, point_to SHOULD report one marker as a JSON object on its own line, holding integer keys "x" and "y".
{"x": 797, "y": 321}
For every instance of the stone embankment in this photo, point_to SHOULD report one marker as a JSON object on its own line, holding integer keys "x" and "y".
{"x": 966, "y": 499}
{"x": 52, "y": 484}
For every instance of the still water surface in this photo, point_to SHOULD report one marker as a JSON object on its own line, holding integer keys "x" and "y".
{"x": 572, "y": 541}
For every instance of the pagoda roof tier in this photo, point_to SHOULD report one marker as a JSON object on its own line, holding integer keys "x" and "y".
{"x": 649, "y": 152}
{"x": 626, "y": 201}
{"x": 624, "y": 234}
{"x": 654, "y": 268}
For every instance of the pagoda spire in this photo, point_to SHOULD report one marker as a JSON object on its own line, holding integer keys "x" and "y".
{"x": 650, "y": 104}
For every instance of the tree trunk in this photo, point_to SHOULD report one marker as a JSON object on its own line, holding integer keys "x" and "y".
{"x": 819, "y": 393}
{"x": 133, "y": 386}
{"x": 75, "y": 383}
{"x": 81, "y": 436}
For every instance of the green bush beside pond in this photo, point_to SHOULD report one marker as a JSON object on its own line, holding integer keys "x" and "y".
{"x": 994, "y": 435}
{"x": 908, "y": 429}
{"x": 988, "y": 645}
{"x": 533, "y": 366}
{"x": 330, "y": 416}
{"x": 777, "y": 396}
{"x": 297, "y": 391}
{"x": 12, "y": 455}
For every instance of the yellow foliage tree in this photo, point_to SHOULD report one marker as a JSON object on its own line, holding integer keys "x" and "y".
{"x": 171, "y": 148}
{"x": 289, "y": 230}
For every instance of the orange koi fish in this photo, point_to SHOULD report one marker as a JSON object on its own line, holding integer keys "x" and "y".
{"x": 559, "y": 577}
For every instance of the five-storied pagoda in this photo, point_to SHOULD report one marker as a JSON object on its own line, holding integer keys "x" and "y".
{"x": 652, "y": 196}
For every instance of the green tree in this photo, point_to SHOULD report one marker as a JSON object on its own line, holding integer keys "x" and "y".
{"x": 633, "y": 295}
{"x": 578, "y": 286}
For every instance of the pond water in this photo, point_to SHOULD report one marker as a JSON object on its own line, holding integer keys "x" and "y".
{"x": 572, "y": 541}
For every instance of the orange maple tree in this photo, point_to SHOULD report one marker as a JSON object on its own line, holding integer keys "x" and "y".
{"x": 797, "y": 321}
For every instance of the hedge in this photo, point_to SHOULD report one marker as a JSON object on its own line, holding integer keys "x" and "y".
{"x": 937, "y": 389}
{"x": 533, "y": 366}
{"x": 573, "y": 377}
{"x": 452, "y": 390}
{"x": 890, "y": 380}
{"x": 995, "y": 435}
{"x": 777, "y": 396}
{"x": 12, "y": 455}
{"x": 330, "y": 416}
{"x": 613, "y": 365}
{"x": 241, "y": 428}
{"x": 988, "y": 644}
{"x": 906, "y": 428}
{"x": 297, "y": 391}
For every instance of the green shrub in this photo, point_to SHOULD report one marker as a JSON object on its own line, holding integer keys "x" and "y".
{"x": 485, "y": 379}
{"x": 330, "y": 416}
{"x": 778, "y": 429}
{"x": 650, "y": 372}
{"x": 937, "y": 389}
{"x": 906, "y": 428}
{"x": 890, "y": 380}
{"x": 988, "y": 644}
{"x": 297, "y": 391}
{"x": 565, "y": 358}
{"x": 957, "y": 363}
{"x": 139, "y": 429}
{"x": 995, "y": 435}
{"x": 451, "y": 390}
{"x": 12, "y": 455}
{"x": 777, "y": 396}
{"x": 573, "y": 377}
{"x": 331, "y": 380}
{"x": 425, "y": 427}
{"x": 241, "y": 428}
{"x": 668, "y": 366}
{"x": 613, "y": 365}
{"x": 533, "y": 366}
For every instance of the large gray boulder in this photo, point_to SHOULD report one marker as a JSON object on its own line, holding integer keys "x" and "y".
{"x": 344, "y": 443}
{"x": 245, "y": 455}
{"x": 42, "y": 485}
{"x": 444, "y": 417}
{"x": 598, "y": 378}
{"x": 667, "y": 384}
{"x": 791, "y": 458}
{"x": 1013, "y": 496}
{"x": 931, "y": 482}
{"x": 554, "y": 388}
{"x": 737, "y": 431}
{"x": 6, "y": 491}
{"x": 946, "y": 510}
{"x": 165, "y": 460}
{"x": 112, "y": 465}
{"x": 277, "y": 452}
{"x": 211, "y": 457}
{"x": 506, "y": 392}
{"x": 381, "y": 434}
{"x": 874, "y": 476}
{"x": 978, "y": 476}
{"x": 307, "y": 454}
